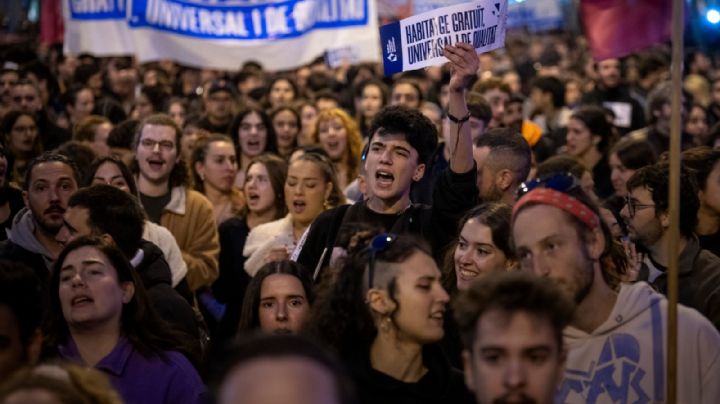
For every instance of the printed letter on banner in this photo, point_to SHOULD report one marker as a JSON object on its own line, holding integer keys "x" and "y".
{"x": 418, "y": 41}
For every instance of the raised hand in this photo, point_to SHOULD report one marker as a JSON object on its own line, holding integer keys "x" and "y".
{"x": 464, "y": 63}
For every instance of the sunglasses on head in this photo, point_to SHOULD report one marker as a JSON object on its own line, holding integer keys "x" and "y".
{"x": 561, "y": 182}
{"x": 378, "y": 245}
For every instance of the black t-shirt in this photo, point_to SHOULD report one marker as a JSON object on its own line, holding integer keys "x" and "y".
{"x": 14, "y": 197}
{"x": 154, "y": 205}
{"x": 711, "y": 242}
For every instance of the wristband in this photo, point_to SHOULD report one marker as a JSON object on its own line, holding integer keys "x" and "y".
{"x": 458, "y": 120}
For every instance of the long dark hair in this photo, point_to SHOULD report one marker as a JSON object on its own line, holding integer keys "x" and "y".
{"x": 139, "y": 323}
{"x": 124, "y": 170}
{"x": 249, "y": 318}
{"x": 270, "y": 145}
{"x": 341, "y": 318}
{"x": 277, "y": 174}
{"x": 496, "y": 216}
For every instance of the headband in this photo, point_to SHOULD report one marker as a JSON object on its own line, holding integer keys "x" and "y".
{"x": 560, "y": 200}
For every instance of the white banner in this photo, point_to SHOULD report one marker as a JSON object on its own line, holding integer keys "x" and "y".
{"x": 222, "y": 34}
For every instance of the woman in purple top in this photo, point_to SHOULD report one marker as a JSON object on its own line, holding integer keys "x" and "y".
{"x": 100, "y": 317}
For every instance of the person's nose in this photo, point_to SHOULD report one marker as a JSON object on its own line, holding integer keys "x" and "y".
{"x": 63, "y": 236}
{"x": 281, "y": 313}
{"x": 514, "y": 376}
{"x": 540, "y": 266}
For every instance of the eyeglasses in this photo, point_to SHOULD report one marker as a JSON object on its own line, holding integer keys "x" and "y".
{"x": 633, "y": 206}
{"x": 164, "y": 144}
{"x": 379, "y": 244}
{"x": 561, "y": 182}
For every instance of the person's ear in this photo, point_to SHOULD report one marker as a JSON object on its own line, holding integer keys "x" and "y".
{"x": 199, "y": 168}
{"x": 664, "y": 218}
{"x": 128, "y": 289}
{"x": 328, "y": 189}
{"x": 419, "y": 172}
{"x": 108, "y": 238}
{"x": 379, "y": 301}
{"x": 504, "y": 179}
{"x": 596, "y": 243}
{"x": 34, "y": 347}
{"x": 596, "y": 140}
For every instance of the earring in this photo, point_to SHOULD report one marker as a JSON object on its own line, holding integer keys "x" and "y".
{"x": 326, "y": 204}
{"x": 202, "y": 177}
{"x": 385, "y": 324}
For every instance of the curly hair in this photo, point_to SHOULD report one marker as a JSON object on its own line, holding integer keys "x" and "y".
{"x": 353, "y": 151}
{"x": 417, "y": 129}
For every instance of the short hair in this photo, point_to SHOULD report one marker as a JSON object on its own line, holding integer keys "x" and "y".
{"x": 552, "y": 85}
{"x": 651, "y": 62}
{"x": 50, "y": 157}
{"x": 112, "y": 211}
{"x": 22, "y": 291}
{"x": 508, "y": 150}
{"x": 478, "y": 107}
{"x": 634, "y": 153}
{"x": 122, "y": 134}
{"x": 260, "y": 346}
{"x": 84, "y": 129}
{"x": 157, "y": 95}
{"x": 491, "y": 83}
{"x": 512, "y": 292}
{"x": 79, "y": 152}
{"x": 561, "y": 163}
{"x": 594, "y": 118}
{"x": 411, "y": 82}
{"x": 84, "y": 72}
{"x": 701, "y": 161}
{"x": 179, "y": 174}
{"x": 656, "y": 179}
{"x": 415, "y": 127}
{"x": 249, "y": 316}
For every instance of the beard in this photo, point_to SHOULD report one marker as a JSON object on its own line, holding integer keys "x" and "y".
{"x": 46, "y": 226}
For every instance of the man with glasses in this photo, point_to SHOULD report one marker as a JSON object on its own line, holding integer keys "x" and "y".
{"x": 164, "y": 193}
{"x": 400, "y": 144}
{"x": 647, "y": 216}
{"x": 616, "y": 337}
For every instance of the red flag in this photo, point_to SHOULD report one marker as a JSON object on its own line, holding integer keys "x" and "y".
{"x": 616, "y": 28}
{"x": 51, "y": 22}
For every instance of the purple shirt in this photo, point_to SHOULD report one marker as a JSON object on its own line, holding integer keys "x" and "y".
{"x": 140, "y": 379}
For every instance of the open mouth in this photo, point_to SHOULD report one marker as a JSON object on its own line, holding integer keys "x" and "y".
{"x": 156, "y": 164}
{"x": 384, "y": 177}
{"x": 81, "y": 300}
{"x": 467, "y": 273}
{"x": 282, "y": 331}
{"x": 253, "y": 197}
{"x": 438, "y": 316}
{"x": 298, "y": 206}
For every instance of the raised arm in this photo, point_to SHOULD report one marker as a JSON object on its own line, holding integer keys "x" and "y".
{"x": 464, "y": 64}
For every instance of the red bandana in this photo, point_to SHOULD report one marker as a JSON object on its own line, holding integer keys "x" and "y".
{"x": 560, "y": 200}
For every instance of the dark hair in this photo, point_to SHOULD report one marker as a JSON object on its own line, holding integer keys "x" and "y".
{"x": 634, "y": 153}
{"x": 249, "y": 317}
{"x": 290, "y": 81}
{"x": 50, "y": 157}
{"x": 270, "y": 145}
{"x": 259, "y": 346}
{"x": 417, "y": 129}
{"x": 296, "y": 116}
{"x": 552, "y": 85}
{"x": 21, "y": 291}
{"x": 79, "y": 152}
{"x": 277, "y": 173}
{"x": 199, "y": 153}
{"x": 157, "y": 96}
{"x": 384, "y": 92}
{"x": 596, "y": 122}
{"x": 341, "y": 318}
{"x": 508, "y": 150}
{"x": 488, "y": 84}
{"x": 179, "y": 174}
{"x": 122, "y": 134}
{"x": 112, "y": 211}
{"x": 497, "y": 217}
{"x": 139, "y": 322}
{"x": 84, "y": 72}
{"x": 69, "y": 98}
{"x": 415, "y": 86}
{"x": 9, "y": 120}
{"x": 478, "y": 107}
{"x": 512, "y": 292}
{"x": 124, "y": 170}
{"x": 561, "y": 163}
{"x": 701, "y": 161}
{"x": 656, "y": 179}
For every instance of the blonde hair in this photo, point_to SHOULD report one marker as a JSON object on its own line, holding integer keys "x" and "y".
{"x": 354, "y": 139}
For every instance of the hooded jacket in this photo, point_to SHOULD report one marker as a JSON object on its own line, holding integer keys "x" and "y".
{"x": 624, "y": 359}
{"x": 22, "y": 246}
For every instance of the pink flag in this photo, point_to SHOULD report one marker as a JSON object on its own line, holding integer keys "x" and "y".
{"x": 616, "y": 28}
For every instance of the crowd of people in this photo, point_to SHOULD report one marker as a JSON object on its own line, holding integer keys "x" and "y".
{"x": 493, "y": 230}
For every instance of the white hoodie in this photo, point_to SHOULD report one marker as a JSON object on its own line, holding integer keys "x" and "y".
{"x": 624, "y": 359}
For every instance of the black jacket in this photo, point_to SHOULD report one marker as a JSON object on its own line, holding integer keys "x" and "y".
{"x": 454, "y": 194}
{"x": 155, "y": 274}
{"x": 442, "y": 384}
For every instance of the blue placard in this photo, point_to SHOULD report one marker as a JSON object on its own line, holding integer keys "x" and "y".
{"x": 391, "y": 45}
{"x": 98, "y": 9}
{"x": 267, "y": 20}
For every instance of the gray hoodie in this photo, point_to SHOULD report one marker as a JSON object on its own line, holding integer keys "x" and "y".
{"x": 22, "y": 234}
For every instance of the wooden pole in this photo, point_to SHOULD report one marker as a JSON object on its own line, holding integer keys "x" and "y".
{"x": 674, "y": 197}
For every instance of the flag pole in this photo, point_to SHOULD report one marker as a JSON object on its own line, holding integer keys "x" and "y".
{"x": 674, "y": 196}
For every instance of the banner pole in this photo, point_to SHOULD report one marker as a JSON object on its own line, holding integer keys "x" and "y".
{"x": 674, "y": 195}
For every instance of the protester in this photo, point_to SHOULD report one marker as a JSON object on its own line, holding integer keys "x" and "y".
{"x": 338, "y": 134}
{"x": 703, "y": 163}
{"x": 286, "y": 125}
{"x": 589, "y": 137}
{"x": 94, "y": 130}
{"x": 502, "y": 158}
{"x": 371, "y": 96}
{"x": 20, "y": 134}
{"x": 100, "y": 317}
{"x": 282, "y": 91}
{"x": 512, "y": 326}
{"x": 220, "y": 103}
{"x": 278, "y": 299}
{"x": 406, "y": 93}
{"x": 214, "y": 171}
{"x": 253, "y": 133}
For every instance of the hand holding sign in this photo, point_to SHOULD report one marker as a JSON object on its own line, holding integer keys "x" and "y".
{"x": 464, "y": 64}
